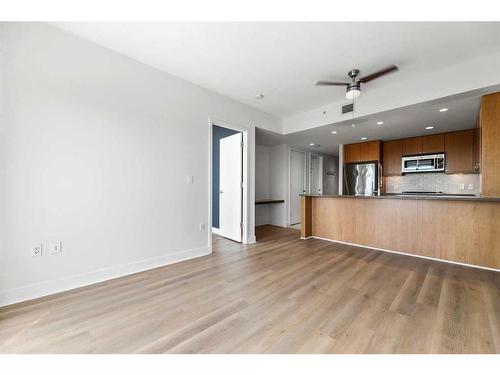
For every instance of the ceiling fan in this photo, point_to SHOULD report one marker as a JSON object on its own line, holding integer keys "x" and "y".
{"x": 353, "y": 88}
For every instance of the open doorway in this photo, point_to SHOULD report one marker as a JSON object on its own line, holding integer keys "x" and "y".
{"x": 228, "y": 182}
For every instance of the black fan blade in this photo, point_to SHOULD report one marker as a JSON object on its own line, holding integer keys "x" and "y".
{"x": 387, "y": 70}
{"x": 329, "y": 83}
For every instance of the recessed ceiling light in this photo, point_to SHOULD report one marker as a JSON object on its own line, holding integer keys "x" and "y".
{"x": 334, "y": 132}
{"x": 380, "y": 123}
{"x": 363, "y": 138}
{"x": 443, "y": 109}
{"x": 311, "y": 144}
{"x": 429, "y": 127}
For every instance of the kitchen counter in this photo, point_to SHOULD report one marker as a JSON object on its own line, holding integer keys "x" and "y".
{"x": 453, "y": 228}
{"x": 475, "y": 198}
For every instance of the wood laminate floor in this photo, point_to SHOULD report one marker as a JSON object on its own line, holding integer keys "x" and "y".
{"x": 281, "y": 295}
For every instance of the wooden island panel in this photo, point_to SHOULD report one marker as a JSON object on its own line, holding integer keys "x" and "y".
{"x": 355, "y": 221}
{"x": 459, "y": 231}
{"x": 465, "y": 232}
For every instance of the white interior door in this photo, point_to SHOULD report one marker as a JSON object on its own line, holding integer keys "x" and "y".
{"x": 231, "y": 190}
{"x": 297, "y": 184}
{"x": 316, "y": 179}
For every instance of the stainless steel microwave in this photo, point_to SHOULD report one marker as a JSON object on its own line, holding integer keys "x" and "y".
{"x": 423, "y": 163}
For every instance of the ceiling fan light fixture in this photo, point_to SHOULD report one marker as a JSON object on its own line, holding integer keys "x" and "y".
{"x": 354, "y": 86}
{"x": 353, "y": 93}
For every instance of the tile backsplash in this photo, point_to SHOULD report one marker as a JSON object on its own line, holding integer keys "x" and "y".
{"x": 447, "y": 183}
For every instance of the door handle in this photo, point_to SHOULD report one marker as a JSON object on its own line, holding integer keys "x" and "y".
{"x": 220, "y": 192}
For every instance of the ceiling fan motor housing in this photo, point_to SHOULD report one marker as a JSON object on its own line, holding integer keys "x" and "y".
{"x": 353, "y": 73}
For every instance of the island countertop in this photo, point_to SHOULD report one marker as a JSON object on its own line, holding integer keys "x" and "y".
{"x": 475, "y": 198}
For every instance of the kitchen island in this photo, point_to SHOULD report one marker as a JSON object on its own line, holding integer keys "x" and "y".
{"x": 451, "y": 228}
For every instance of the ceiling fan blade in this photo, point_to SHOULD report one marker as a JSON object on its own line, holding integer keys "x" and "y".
{"x": 329, "y": 83}
{"x": 380, "y": 73}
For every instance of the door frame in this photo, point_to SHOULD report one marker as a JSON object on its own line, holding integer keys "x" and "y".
{"x": 304, "y": 177}
{"x": 245, "y": 209}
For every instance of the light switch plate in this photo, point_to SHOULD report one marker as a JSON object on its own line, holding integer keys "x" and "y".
{"x": 55, "y": 247}
{"x": 462, "y": 186}
{"x": 190, "y": 179}
{"x": 36, "y": 250}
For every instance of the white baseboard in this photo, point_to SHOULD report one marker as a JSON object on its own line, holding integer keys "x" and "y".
{"x": 280, "y": 224}
{"x": 401, "y": 253}
{"x": 45, "y": 288}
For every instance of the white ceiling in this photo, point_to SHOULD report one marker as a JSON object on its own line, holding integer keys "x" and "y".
{"x": 462, "y": 113}
{"x": 284, "y": 60}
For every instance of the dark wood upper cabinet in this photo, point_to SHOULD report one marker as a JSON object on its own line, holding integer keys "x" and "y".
{"x": 427, "y": 144}
{"x": 460, "y": 152}
{"x": 370, "y": 151}
{"x": 433, "y": 144}
{"x": 412, "y": 146}
{"x": 391, "y": 161}
{"x": 352, "y": 153}
{"x": 362, "y": 152}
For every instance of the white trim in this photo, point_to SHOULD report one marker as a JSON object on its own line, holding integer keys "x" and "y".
{"x": 209, "y": 220}
{"x": 408, "y": 254}
{"x": 45, "y": 288}
{"x": 216, "y": 230}
{"x": 281, "y": 224}
{"x": 246, "y": 170}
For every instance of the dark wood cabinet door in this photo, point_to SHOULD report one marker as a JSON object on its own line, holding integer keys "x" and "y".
{"x": 412, "y": 146}
{"x": 352, "y": 153}
{"x": 459, "y": 147}
{"x": 391, "y": 159}
{"x": 370, "y": 151}
{"x": 433, "y": 144}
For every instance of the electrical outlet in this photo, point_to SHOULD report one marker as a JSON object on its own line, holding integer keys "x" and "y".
{"x": 202, "y": 227}
{"x": 55, "y": 247}
{"x": 36, "y": 250}
{"x": 470, "y": 186}
{"x": 395, "y": 188}
{"x": 462, "y": 187}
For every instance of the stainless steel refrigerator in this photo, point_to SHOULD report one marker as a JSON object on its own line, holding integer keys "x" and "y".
{"x": 362, "y": 179}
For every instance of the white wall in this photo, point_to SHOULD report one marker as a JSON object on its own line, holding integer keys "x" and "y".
{"x": 279, "y": 160}
{"x": 262, "y": 187}
{"x": 94, "y": 151}
{"x": 271, "y": 179}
